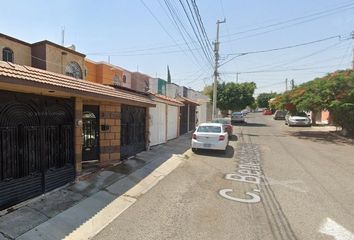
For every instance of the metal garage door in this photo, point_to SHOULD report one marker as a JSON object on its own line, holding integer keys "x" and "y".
{"x": 157, "y": 126}
{"x": 132, "y": 130}
{"x": 36, "y": 142}
{"x": 172, "y": 122}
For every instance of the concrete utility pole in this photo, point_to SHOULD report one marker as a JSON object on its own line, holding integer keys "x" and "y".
{"x": 286, "y": 84}
{"x": 237, "y": 77}
{"x": 216, "y": 52}
{"x": 353, "y": 49}
{"x": 292, "y": 83}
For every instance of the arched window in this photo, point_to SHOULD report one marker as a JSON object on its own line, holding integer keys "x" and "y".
{"x": 124, "y": 79}
{"x": 73, "y": 69}
{"x": 7, "y": 55}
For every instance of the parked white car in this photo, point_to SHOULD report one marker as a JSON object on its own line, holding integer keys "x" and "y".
{"x": 298, "y": 119}
{"x": 210, "y": 136}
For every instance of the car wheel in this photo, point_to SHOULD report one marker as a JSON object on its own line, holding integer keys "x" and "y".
{"x": 194, "y": 150}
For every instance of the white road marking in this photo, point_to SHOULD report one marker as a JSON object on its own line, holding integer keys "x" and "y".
{"x": 331, "y": 228}
{"x": 255, "y": 198}
{"x": 286, "y": 183}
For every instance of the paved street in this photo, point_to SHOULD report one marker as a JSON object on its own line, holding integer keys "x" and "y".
{"x": 299, "y": 186}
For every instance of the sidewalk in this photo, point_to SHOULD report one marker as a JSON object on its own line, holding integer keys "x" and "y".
{"x": 82, "y": 209}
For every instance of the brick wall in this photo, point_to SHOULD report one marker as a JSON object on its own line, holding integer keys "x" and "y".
{"x": 110, "y": 139}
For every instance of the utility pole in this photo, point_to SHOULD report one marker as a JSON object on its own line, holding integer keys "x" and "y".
{"x": 216, "y": 52}
{"x": 292, "y": 83}
{"x": 62, "y": 35}
{"x": 286, "y": 84}
{"x": 353, "y": 49}
{"x": 237, "y": 77}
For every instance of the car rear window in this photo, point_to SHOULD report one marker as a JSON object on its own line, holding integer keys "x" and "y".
{"x": 237, "y": 113}
{"x": 209, "y": 129}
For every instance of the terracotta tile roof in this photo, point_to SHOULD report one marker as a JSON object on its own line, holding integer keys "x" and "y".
{"x": 168, "y": 100}
{"x": 188, "y": 101}
{"x": 36, "y": 77}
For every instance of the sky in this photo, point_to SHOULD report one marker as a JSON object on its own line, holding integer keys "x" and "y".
{"x": 314, "y": 36}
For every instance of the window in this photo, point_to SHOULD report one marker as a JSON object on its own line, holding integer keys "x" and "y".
{"x": 209, "y": 129}
{"x": 73, "y": 69}
{"x": 124, "y": 79}
{"x": 7, "y": 55}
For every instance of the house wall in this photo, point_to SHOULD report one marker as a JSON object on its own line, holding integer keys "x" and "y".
{"x": 91, "y": 72}
{"x": 107, "y": 73}
{"x": 172, "y": 90}
{"x": 22, "y": 52}
{"x": 58, "y": 59}
{"x": 109, "y": 140}
{"x": 153, "y": 85}
{"x": 128, "y": 77}
{"x": 139, "y": 81}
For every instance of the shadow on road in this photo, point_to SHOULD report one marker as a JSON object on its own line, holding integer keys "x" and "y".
{"x": 255, "y": 125}
{"x": 318, "y": 136}
{"x": 215, "y": 153}
{"x": 233, "y": 138}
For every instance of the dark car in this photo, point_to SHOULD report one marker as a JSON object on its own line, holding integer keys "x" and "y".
{"x": 279, "y": 115}
{"x": 226, "y": 123}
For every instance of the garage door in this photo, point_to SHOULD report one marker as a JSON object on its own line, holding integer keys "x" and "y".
{"x": 132, "y": 130}
{"x": 157, "y": 126}
{"x": 172, "y": 122}
{"x": 36, "y": 142}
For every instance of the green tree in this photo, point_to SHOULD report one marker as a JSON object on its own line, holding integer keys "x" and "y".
{"x": 234, "y": 96}
{"x": 263, "y": 99}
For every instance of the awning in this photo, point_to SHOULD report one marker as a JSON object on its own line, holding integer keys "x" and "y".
{"x": 26, "y": 79}
{"x": 167, "y": 100}
{"x": 188, "y": 101}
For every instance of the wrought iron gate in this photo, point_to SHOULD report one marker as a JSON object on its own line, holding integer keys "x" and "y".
{"x": 191, "y": 118}
{"x": 36, "y": 145}
{"x": 133, "y": 129}
{"x": 90, "y": 128}
{"x": 183, "y": 120}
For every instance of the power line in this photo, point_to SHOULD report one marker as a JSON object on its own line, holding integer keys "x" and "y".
{"x": 311, "y": 17}
{"x": 198, "y": 35}
{"x": 179, "y": 25}
{"x": 278, "y": 49}
{"x": 161, "y": 25}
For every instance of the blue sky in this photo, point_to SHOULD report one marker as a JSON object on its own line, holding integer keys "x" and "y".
{"x": 127, "y": 32}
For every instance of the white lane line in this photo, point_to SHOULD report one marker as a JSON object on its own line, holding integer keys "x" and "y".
{"x": 331, "y": 228}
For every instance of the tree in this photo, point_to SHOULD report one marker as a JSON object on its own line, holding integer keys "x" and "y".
{"x": 234, "y": 96}
{"x": 263, "y": 99}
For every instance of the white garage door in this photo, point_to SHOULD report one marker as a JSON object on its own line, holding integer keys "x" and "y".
{"x": 172, "y": 121}
{"x": 158, "y": 124}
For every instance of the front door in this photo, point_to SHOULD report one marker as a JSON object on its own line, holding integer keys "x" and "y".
{"x": 90, "y": 130}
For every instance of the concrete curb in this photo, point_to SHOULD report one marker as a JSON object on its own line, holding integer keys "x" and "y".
{"x": 89, "y": 217}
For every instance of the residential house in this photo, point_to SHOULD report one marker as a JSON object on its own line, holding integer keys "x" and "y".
{"x": 52, "y": 120}
{"x": 164, "y": 119}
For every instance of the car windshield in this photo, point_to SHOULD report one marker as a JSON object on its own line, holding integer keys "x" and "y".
{"x": 299, "y": 114}
{"x": 237, "y": 113}
{"x": 209, "y": 129}
{"x": 223, "y": 121}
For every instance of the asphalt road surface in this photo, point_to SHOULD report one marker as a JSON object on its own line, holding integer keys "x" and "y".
{"x": 274, "y": 182}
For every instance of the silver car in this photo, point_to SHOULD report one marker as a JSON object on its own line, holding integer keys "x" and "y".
{"x": 237, "y": 117}
{"x": 297, "y": 119}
